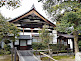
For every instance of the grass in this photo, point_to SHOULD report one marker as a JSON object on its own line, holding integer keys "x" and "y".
{"x": 58, "y": 58}
{"x": 62, "y": 57}
{"x": 6, "y": 58}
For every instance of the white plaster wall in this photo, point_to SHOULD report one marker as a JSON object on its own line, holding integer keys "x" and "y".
{"x": 2, "y": 44}
{"x": 54, "y": 36}
{"x": 11, "y": 44}
{"x": 54, "y": 32}
{"x": 71, "y": 43}
{"x": 28, "y": 33}
{"x": 29, "y": 42}
{"x": 17, "y": 42}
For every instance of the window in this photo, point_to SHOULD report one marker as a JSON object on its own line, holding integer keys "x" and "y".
{"x": 22, "y": 42}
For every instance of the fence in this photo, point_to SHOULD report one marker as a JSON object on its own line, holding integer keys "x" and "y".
{"x": 43, "y": 57}
{"x": 46, "y": 57}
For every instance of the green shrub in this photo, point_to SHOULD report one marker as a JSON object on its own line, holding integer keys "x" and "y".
{"x": 38, "y": 46}
{"x": 79, "y": 43}
{"x": 6, "y": 49}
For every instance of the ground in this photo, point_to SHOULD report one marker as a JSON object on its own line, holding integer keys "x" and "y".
{"x": 5, "y": 58}
{"x": 66, "y": 60}
{"x": 61, "y": 58}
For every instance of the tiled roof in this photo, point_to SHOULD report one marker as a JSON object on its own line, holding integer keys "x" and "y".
{"x": 24, "y": 37}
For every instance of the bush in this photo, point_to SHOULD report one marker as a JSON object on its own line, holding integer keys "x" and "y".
{"x": 6, "y": 49}
{"x": 79, "y": 43}
{"x": 56, "y": 47}
{"x": 38, "y": 46}
{"x": 60, "y": 48}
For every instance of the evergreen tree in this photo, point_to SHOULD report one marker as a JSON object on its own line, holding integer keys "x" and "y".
{"x": 45, "y": 36}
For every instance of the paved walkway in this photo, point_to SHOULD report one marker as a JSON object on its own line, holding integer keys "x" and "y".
{"x": 27, "y": 55}
{"x": 29, "y": 58}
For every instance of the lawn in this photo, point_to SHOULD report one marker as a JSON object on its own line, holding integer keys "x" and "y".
{"x": 60, "y": 58}
{"x": 5, "y": 58}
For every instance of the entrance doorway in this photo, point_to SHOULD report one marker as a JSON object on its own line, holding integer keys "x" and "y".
{"x": 23, "y": 44}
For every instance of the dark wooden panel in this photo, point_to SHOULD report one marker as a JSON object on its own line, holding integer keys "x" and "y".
{"x": 23, "y": 47}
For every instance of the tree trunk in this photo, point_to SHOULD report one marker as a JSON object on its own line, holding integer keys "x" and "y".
{"x": 76, "y": 41}
{"x": 13, "y": 50}
{"x": 49, "y": 50}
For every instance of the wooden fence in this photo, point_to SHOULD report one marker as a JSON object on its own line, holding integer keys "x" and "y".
{"x": 45, "y": 55}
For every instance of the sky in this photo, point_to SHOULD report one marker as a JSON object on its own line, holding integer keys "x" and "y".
{"x": 25, "y": 6}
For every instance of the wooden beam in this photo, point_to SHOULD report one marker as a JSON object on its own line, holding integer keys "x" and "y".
{"x": 48, "y": 56}
{"x": 35, "y": 12}
{"x": 44, "y": 18}
{"x": 23, "y": 16}
{"x": 23, "y": 31}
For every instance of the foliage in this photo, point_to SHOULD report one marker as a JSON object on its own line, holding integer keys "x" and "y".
{"x": 60, "y": 57}
{"x": 57, "y": 47}
{"x": 55, "y": 9}
{"x": 15, "y": 31}
{"x": 10, "y": 3}
{"x": 6, "y": 49}
{"x": 68, "y": 22}
{"x": 67, "y": 15}
{"x": 60, "y": 48}
{"x": 38, "y": 46}
{"x": 7, "y": 29}
{"x": 79, "y": 43}
{"x": 44, "y": 35}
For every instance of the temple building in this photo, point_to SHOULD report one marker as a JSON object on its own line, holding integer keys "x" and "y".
{"x": 29, "y": 24}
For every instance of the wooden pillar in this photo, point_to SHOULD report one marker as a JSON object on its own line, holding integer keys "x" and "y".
{"x": 67, "y": 41}
{"x": 73, "y": 45}
{"x": 31, "y": 31}
{"x": 23, "y": 31}
{"x": 32, "y": 34}
{"x": 15, "y": 55}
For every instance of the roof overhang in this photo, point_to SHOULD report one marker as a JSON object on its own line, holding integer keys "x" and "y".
{"x": 33, "y": 10}
{"x": 24, "y": 37}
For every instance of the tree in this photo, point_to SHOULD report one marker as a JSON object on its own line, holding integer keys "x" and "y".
{"x": 10, "y": 3}
{"x": 7, "y": 29}
{"x": 15, "y": 32}
{"x": 70, "y": 23}
{"x": 45, "y": 37}
{"x": 68, "y": 18}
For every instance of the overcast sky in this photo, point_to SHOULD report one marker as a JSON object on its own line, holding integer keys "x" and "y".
{"x": 26, "y": 6}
